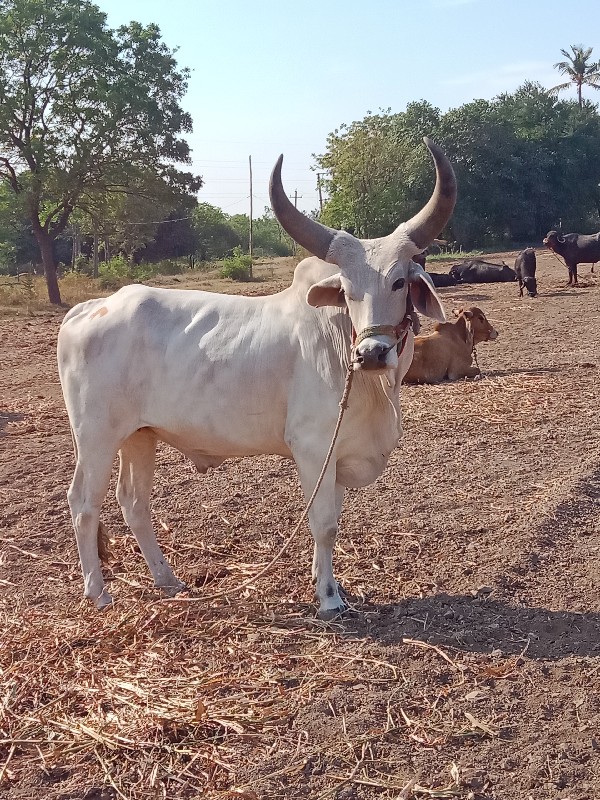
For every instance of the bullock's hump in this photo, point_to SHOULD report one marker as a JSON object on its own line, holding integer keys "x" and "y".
{"x": 311, "y": 270}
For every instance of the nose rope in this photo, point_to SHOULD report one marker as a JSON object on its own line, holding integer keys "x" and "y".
{"x": 398, "y": 332}
{"x": 473, "y": 348}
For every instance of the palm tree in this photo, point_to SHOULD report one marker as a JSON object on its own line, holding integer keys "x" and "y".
{"x": 579, "y": 69}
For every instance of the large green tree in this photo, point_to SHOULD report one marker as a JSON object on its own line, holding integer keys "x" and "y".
{"x": 216, "y": 235}
{"x": 524, "y": 162}
{"x": 84, "y": 110}
{"x": 376, "y": 173}
{"x": 579, "y": 69}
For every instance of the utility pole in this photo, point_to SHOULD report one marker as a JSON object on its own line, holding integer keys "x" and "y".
{"x": 76, "y": 251}
{"x": 95, "y": 253}
{"x": 250, "y": 240}
{"x": 319, "y": 188}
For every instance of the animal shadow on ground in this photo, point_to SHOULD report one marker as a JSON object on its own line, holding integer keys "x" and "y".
{"x": 561, "y": 293}
{"x": 6, "y": 417}
{"x": 479, "y": 622}
{"x": 473, "y": 297}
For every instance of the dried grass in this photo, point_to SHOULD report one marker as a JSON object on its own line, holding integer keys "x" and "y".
{"x": 29, "y": 294}
{"x": 136, "y": 699}
{"x": 168, "y": 699}
{"x": 177, "y": 699}
{"x": 499, "y": 401}
{"x": 251, "y": 697}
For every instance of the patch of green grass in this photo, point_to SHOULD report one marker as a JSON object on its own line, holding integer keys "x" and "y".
{"x": 443, "y": 257}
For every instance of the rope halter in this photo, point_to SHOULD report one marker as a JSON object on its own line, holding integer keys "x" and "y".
{"x": 397, "y": 332}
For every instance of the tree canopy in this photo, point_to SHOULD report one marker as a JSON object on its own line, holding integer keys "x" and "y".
{"x": 579, "y": 69}
{"x": 524, "y": 162}
{"x": 86, "y": 112}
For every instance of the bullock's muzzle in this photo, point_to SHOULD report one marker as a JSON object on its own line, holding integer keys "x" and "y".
{"x": 375, "y": 357}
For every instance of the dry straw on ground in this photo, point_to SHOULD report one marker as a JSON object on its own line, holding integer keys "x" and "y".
{"x": 469, "y": 668}
{"x": 133, "y": 699}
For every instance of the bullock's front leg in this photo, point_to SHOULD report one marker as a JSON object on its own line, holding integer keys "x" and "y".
{"x": 323, "y": 519}
{"x": 457, "y": 373}
{"x": 319, "y": 554}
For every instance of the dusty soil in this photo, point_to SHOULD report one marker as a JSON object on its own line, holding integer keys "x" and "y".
{"x": 470, "y": 667}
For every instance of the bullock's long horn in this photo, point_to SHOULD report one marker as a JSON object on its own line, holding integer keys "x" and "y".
{"x": 309, "y": 233}
{"x": 430, "y": 221}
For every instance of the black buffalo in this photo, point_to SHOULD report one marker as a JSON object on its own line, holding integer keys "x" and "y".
{"x": 525, "y": 265}
{"x": 440, "y": 279}
{"x": 575, "y": 248}
{"x": 477, "y": 271}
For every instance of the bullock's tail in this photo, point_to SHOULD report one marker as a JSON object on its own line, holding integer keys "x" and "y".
{"x": 75, "y": 450}
{"x": 104, "y": 550}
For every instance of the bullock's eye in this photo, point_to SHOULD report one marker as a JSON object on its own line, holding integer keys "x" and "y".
{"x": 399, "y": 284}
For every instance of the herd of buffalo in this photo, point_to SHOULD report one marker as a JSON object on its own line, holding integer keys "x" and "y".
{"x": 575, "y": 248}
{"x": 447, "y": 352}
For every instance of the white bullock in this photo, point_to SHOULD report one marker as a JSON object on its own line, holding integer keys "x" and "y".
{"x": 218, "y": 376}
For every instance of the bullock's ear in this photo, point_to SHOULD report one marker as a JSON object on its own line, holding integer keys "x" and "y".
{"x": 423, "y": 295}
{"x": 327, "y": 292}
{"x": 464, "y": 311}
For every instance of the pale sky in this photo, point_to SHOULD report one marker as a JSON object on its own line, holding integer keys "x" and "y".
{"x": 271, "y": 77}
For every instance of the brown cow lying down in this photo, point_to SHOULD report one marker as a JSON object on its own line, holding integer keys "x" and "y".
{"x": 448, "y": 351}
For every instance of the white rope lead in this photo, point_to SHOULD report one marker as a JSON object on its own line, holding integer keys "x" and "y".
{"x": 226, "y": 592}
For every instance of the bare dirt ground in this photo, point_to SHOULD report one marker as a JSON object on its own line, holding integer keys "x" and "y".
{"x": 470, "y": 668}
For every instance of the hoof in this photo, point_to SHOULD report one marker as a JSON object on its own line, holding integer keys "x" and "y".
{"x": 328, "y": 615}
{"x": 173, "y": 589}
{"x": 103, "y": 601}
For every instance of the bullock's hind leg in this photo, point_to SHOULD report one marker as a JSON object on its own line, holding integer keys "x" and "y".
{"x": 134, "y": 486}
{"x": 457, "y": 373}
{"x": 323, "y": 518}
{"x": 86, "y": 493}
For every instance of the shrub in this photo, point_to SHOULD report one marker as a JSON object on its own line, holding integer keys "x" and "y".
{"x": 83, "y": 265}
{"x": 120, "y": 267}
{"x": 237, "y": 267}
{"x": 236, "y": 272}
{"x": 168, "y": 268}
{"x": 112, "y": 283}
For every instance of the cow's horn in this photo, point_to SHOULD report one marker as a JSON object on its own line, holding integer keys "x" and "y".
{"x": 431, "y": 220}
{"x": 309, "y": 233}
